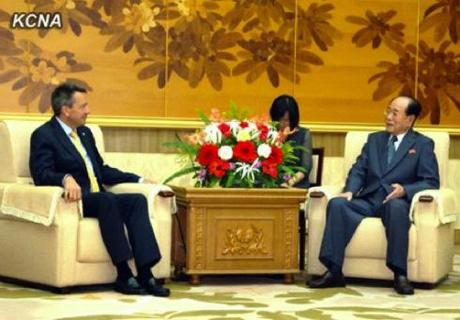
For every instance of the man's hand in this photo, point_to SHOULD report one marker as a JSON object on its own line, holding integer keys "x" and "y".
{"x": 72, "y": 190}
{"x": 347, "y": 195}
{"x": 149, "y": 181}
{"x": 398, "y": 192}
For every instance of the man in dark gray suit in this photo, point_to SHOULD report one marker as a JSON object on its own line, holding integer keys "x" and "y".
{"x": 393, "y": 166}
{"x": 63, "y": 152}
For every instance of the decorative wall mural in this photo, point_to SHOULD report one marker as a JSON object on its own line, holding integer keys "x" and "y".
{"x": 430, "y": 72}
{"x": 213, "y": 49}
{"x": 203, "y": 41}
{"x": 34, "y": 71}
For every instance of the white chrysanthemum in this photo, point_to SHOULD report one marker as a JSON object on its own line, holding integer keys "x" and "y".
{"x": 225, "y": 153}
{"x": 252, "y": 126}
{"x": 264, "y": 150}
{"x": 213, "y": 134}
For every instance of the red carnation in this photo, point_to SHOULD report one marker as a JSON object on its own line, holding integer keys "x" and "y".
{"x": 244, "y": 124}
{"x": 207, "y": 154}
{"x": 276, "y": 156}
{"x": 245, "y": 151}
{"x": 269, "y": 168}
{"x": 263, "y": 129}
{"x": 218, "y": 168}
{"x": 225, "y": 129}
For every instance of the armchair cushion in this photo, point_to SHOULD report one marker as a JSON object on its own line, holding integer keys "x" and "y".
{"x": 90, "y": 246}
{"x": 372, "y": 228}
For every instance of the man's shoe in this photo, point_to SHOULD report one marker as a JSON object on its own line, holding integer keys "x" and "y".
{"x": 130, "y": 286}
{"x": 328, "y": 280}
{"x": 402, "y": 285}
{"x": 156, "y": 289}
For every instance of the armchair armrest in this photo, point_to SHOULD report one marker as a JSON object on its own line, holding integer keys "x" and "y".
{"x": 38, "y": 204}
{"x": 156, "y": 195}
{"x": 440, "y": 203}
{"x": 324, "y": 191}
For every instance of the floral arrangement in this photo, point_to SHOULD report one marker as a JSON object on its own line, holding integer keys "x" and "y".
{"x": 237, "y": 152}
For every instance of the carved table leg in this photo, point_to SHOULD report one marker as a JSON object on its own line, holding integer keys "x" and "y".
{"x": 288, "y": 278}
{"x": 194, "y": 279}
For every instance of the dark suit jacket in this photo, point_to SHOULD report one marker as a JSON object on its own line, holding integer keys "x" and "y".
{"x": 414, "y": 166}
{"x": 53, "y": 155}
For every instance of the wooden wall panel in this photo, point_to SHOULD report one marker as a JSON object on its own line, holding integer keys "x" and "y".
{"x": 342, "y": 60}
{"x": 152, "y": 140}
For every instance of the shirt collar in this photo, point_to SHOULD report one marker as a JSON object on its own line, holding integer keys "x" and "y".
{"x": 65, "y": 127}
{"x": 399, "y": 136}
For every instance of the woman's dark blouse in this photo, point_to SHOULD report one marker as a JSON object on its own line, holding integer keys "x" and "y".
{"x": 302, "y": 137}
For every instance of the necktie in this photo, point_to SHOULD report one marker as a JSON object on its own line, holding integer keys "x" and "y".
{"x": 89, "y": 168}
{"x": 391, "y": 149}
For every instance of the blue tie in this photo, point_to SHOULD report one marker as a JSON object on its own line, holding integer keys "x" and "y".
{"x": 391, "y": 149}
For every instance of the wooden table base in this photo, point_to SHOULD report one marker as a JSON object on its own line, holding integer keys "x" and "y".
{"x": 237, "y": 231}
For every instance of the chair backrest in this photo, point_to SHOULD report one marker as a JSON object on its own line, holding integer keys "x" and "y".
{"x": 316, "y": 172}
{"x": 15, "y": 146}
{"x": 355, "y": 140}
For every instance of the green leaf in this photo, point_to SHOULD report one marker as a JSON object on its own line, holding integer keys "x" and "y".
{"x": 236, "y": 113}
{"x": 180, "y": 173}
{"x": 213, "y": 182}
{"x": 230, "y": 179}
{"x": 204, "y": 117}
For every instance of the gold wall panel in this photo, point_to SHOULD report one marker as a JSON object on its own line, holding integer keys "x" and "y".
{"x": 152, "y": 140}
{"x": 343, "y": 60}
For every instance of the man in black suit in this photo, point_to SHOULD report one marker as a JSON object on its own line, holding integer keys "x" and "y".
{"x": 63, "y": 153}
{"x": 393, "y": 166}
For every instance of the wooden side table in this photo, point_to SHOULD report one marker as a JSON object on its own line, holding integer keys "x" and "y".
{"x": 237, "y": 231}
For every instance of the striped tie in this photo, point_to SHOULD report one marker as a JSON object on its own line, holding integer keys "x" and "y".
{"x": 89, "y": 168}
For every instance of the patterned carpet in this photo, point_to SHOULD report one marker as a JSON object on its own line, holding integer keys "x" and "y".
{"x": 238, "y": 297}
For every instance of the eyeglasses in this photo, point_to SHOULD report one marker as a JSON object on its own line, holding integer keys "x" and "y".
{"x": 391, "y": 112}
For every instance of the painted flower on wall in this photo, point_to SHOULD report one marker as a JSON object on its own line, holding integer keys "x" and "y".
{"x": 438, "y": 83}
{"x": 376, "y": 28}
{"x": 254, "y": 13}
{"x": 439, "y": 71}
{"x": 198, "y": 40}
{"x": 314, "y": 26}
{"x": 135, "y": 27}
{"x": 429, "y": 73}
{"x": 444, "y": 17}
{"x": 38, "y": 73}
{"x": 399, "y": 77}
{"x": 74, "y": 13}
{"x": 273, "y": 56}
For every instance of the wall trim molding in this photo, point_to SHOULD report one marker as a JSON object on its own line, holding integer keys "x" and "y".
{"x": 194, "y": 123}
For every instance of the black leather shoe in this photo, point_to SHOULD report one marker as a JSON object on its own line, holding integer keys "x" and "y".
{"x": 130, "y": 286}
{"x": 154, "y": 288}
{"x": 328, "y": 280}
{"x": 402, "y": 285}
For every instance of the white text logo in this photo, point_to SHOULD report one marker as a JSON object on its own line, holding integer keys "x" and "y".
{"x": 36, "y": 20}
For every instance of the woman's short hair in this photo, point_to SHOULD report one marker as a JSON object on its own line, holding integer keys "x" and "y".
{"x": 283, "y": 104}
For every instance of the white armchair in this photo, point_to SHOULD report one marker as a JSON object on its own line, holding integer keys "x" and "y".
{"x": 431, "y": 236}
{"x": 53, "y": 245}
